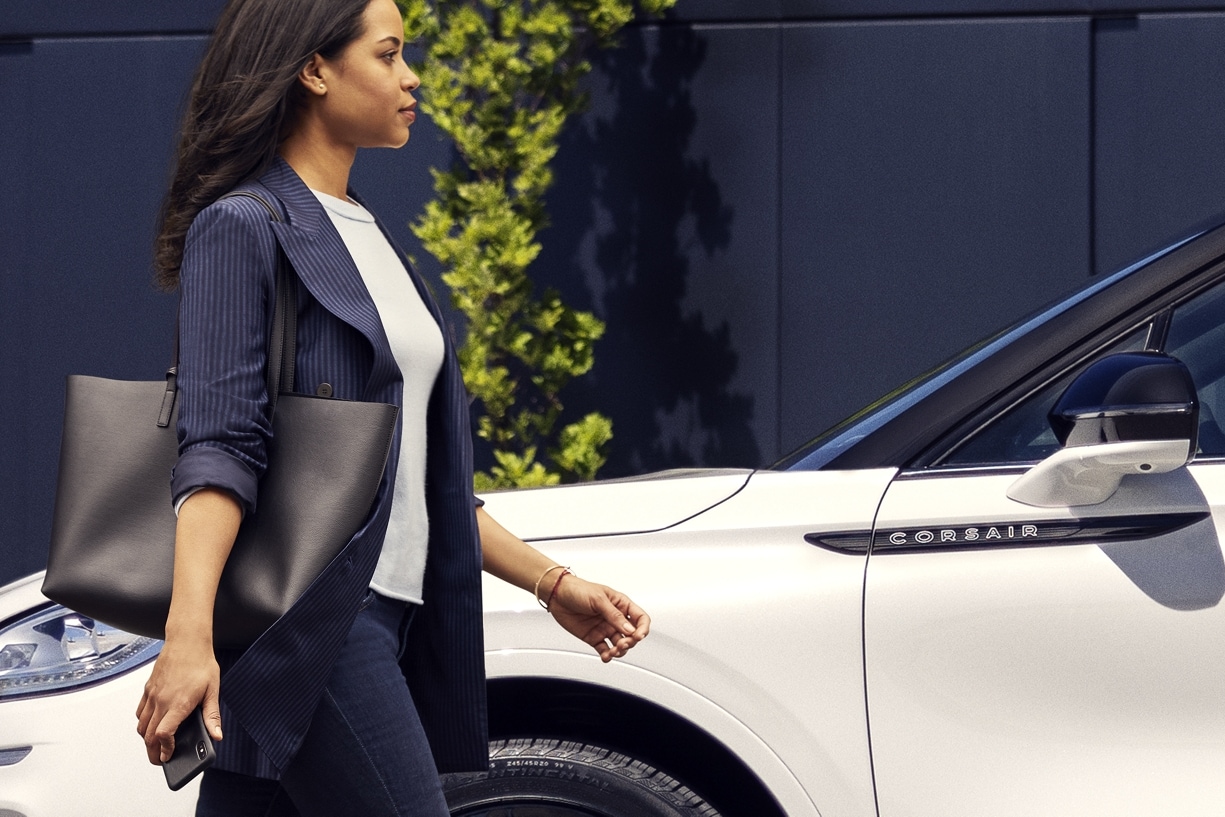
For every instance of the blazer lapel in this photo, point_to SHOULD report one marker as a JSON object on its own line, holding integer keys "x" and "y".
{"x": 322, "y": 262}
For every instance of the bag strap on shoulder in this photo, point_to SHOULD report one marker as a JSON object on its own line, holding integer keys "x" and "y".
{"x": 282, "y": 340}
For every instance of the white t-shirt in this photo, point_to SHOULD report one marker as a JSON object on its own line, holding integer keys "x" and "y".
{"x": 417, "y": 345}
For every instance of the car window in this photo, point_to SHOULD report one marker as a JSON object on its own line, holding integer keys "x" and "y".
{"x": 1196, "y": 337}
{"x": 1023, "y": 434}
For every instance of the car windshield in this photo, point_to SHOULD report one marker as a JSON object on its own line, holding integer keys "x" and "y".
{"x": 822, "y": 450}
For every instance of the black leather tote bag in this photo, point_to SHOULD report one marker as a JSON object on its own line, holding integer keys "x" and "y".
{"x": 112, "y": 537}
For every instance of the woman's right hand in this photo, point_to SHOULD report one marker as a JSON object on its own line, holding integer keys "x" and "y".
{"x": 185, "y": 675}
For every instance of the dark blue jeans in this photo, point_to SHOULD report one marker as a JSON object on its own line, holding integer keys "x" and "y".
{"x": 365, "y": 753}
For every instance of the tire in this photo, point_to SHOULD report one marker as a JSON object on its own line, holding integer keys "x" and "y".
{"x": 539, "y": 777}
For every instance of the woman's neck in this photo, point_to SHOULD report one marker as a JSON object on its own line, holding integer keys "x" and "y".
{"x": 322, "y": 166}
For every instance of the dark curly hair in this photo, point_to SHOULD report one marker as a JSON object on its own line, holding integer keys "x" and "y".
{"x": 243, "y": 103}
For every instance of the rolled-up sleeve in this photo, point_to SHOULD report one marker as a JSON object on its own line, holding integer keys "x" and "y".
{"x": 226, "y": 281}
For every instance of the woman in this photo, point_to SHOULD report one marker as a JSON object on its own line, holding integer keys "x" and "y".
{"x": 318, "y": 717}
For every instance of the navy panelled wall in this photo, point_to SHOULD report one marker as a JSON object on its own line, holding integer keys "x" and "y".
{"x": 85, "y": 129}
{"x": 665, "y": 222}
{"x": 783, "y": 221}
{"x": 60, "y": 18}
{"x": 1159, "y": 140}
{"x": 782, "y": 208}
{"x": 937, "y": 180}
{"x": 799, "y": 10}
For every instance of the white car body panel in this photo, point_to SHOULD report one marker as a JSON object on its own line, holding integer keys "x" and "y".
{"x": 736, "y": 735}
{"x": 615, "y": 506}
{"x": 85, "y": 756}
{"x": 1047, "y": 679}
{"x": 746, "y": 553}
{"x": 803, "y": 735}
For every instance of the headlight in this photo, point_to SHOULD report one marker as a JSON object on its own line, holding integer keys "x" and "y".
{"x": 55, "y": 649}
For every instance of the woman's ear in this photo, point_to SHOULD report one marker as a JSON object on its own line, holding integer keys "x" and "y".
{"x": 311, "y": 76}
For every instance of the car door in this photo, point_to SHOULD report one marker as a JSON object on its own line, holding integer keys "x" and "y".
{"x": 1054, "y": 660}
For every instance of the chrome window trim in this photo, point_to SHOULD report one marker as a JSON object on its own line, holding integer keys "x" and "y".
{"x": 962, "y": 471}
{"x": 13, "y": 756}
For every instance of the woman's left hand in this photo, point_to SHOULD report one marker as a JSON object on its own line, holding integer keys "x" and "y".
{"x": 607, "y": 620}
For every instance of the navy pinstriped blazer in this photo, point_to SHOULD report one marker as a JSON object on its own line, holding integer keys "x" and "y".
{"x": 269, "y": 692}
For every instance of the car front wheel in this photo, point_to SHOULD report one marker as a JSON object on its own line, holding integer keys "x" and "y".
{"x": 538, "y": 777}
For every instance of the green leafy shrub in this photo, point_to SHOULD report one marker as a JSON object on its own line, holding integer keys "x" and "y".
{"x": 500, "y": 78}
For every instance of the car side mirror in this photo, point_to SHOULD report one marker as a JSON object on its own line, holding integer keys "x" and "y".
{"x": 1128, "y": 413}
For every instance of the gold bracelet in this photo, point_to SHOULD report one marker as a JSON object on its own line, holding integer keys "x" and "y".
{"x": 536, "y": 592}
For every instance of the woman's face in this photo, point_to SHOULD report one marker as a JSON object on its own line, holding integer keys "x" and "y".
{"x": 368, "y": 100}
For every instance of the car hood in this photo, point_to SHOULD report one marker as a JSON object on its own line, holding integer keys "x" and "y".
{"x": 616, "y": 506}
{"x": 631, "y": 505}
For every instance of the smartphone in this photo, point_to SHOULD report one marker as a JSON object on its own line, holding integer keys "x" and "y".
{"x": 193, "y": 751}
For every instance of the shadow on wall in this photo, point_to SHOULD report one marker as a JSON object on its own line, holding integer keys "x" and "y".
{"x": 639, "y": 217}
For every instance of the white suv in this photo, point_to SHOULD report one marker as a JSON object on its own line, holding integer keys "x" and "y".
{"x": 997, "y": 591}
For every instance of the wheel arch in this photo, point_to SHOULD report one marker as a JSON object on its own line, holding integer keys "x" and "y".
{"x": 533, "y": 706}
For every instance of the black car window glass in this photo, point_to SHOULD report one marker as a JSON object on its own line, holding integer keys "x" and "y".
{"x": 1023, "y": 433}
{"x": 1196, "y": 337}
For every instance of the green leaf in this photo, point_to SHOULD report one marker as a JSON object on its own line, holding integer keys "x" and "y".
{"x": 500, "y": 80}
